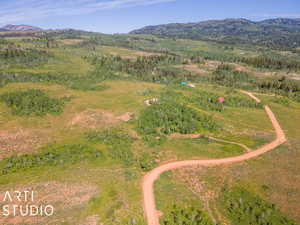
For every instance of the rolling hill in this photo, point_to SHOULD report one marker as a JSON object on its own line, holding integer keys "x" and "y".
{"x": 276, "y": 33}
{"x": 11, "y": 27}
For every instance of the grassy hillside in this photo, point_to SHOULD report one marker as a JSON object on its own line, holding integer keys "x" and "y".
{"x": 280, "y": 33}
{"x": 88, "y": 114}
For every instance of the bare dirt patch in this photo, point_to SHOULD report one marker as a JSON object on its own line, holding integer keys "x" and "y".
{"x": 93, "y": 118}
{"x": 212, "y": 64}
{"x": 21, "y": 141}
{"x": 62, "y": 196}
{"x": 71, "y": 41}
{"x": 125, "y": 117}
{"x": 193, "y": 68}
{"x": 239, "y": 67}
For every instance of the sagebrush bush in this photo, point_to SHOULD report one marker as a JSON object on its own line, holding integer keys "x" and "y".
{"x": 147, "y": 161}
{"x": 50, "y": 156}
{"x": 27, "y": 57}
{"x": 166, "y": 117}
{"x": 33, "y": 102}
{"x": 118, "y": 142}
{"x": 186, "y": 215}
{"x": 244, "y": 208}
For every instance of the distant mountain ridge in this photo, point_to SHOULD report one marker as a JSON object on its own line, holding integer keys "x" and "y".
{"x": 11, "y": 27}
{"x": 280, "y": 32}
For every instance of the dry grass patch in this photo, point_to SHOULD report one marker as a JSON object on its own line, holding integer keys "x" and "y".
{"x": 62, "y": 196}
{"x": 71, "y": 41}
{"x": 94, "y": 118}
{"x": 212, "y": 64}
{"x": 21, "y": 141}
{"x": 193, "y": 68}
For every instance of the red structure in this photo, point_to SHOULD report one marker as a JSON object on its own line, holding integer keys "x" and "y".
{"x": 221, "y": 99}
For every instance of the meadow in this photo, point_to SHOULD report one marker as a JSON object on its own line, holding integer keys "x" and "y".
{"x": 74, "y": 120}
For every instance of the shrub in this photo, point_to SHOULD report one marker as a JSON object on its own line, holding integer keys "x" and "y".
{"x": 171, "y": 117}
{"x": 180, "y": 215}
{"x": 281, "y": 100}
{"x": 113, "y": 136}
{"x": 226, "y": 75}
{"x": 33, "y": 102}
{"x": 122, "y": 154}
{"x": 28, "y": 57}
{"x": 147, "y": 68}
{"x": 225, "y": 67}
{"x": 209, "y": 101}
{"x": 50, "y": 156}
{"x": 118, "y": 142}
{"x": 147, "y": 161}
{"x": 153, "y": 140}
{"x": 244, "y": 208}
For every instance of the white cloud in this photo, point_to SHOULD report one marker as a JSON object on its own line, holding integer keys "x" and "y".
{"x": 21, "y": 10}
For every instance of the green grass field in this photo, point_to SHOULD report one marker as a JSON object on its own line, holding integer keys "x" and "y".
{"x": 37, "y": 149}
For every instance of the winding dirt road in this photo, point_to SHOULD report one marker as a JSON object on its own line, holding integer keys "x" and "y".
{"x": 151, "y": 212}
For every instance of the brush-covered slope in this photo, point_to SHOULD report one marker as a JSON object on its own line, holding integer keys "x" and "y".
{"x": 273, "y": 32}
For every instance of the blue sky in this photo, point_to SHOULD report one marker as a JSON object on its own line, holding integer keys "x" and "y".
{"x": 119, "y": 16}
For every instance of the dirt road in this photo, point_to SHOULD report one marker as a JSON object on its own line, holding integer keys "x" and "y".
{"x": 149, "y": 179}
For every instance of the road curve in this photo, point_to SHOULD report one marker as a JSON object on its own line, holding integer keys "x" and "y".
{"x": 149, "y": 179}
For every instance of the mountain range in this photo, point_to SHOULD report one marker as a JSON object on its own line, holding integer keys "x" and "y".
{"x": 280, "y": 32}
{"x": 274, "y": 33}
{"x": 11, "y": 27}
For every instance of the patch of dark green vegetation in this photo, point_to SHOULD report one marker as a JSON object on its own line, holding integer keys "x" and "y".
{"x": 273, "y": 33}
{"x": 27, "y": 57}
{"x": 186, "y": 215}
{"x": 91, "y": 82}
{"x": 33, "y": 102}
{"x": 281, "y": 100}
{"x": 226, "y": 75}
{"x": 51, "y": 155}
{"x": 212, "y": 101}
{"x": 282, "y": 86}
{"x": 6, "y": 78}
{"x": 245, "y": 208}
{"x": 166, "y": 117}
{"x": 154, "y": 139}
{"x": 151, "y": 68}
{"x": 118, "y": 142}
{"x": 119, "y": 146}
{"x": 272, "y": 62}
{"x": 147, "y": 161}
